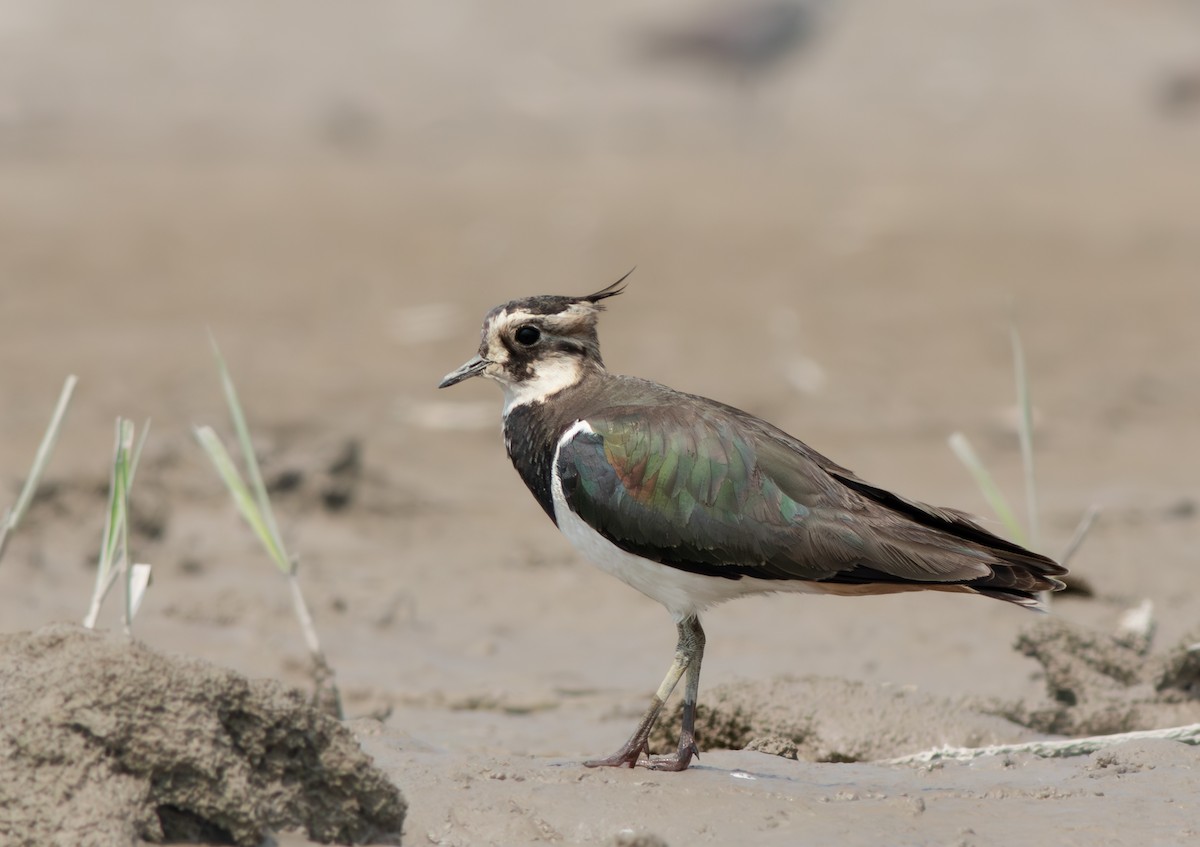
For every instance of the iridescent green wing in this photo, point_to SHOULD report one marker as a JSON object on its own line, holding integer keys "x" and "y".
{"x": 712, "y": 490}
{"x": 701, "y": 490}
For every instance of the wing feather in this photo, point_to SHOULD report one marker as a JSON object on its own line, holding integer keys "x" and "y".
{"x": 715, "y": 491}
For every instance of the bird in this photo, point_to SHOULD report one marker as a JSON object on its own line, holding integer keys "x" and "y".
{"x": 746, "y": 39}
{"x": 693, "y": 502}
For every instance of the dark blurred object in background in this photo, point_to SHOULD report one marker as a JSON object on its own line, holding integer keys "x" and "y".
{"x": 1179, "y": 93}
{"x": 744, "y": 39}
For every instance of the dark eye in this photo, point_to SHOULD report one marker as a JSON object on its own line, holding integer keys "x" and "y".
{"x": 528, "y": 335}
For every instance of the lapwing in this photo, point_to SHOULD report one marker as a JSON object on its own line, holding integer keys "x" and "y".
{"x": 693, "y": 502}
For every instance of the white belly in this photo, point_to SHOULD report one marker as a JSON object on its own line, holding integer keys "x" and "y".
{"x": 683, "y": 593}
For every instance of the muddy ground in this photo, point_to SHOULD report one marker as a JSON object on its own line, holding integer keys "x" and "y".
{"x": 839, "y": 246}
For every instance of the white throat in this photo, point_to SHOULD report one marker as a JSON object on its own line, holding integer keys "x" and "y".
{"x": 550, "y": 377}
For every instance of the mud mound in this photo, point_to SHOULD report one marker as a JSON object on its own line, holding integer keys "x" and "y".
{"x": 104, "y": 741}
{"x": 1097, "y": 684}
{"x": 821, "y": 719}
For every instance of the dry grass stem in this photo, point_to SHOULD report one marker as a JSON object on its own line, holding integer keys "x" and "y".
{"x": 12, "y": 516}
{"x": 1081, "y": 532}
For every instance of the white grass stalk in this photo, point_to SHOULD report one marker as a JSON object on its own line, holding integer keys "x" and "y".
{"x": 1136, "y": 626}
{"x": 138, "y": 582}
{"x": 1025, "y": 436}
{"x": 966, "y": 454}
{"x": 303, "y": 615}
{"x": 13, "y": 516}
{"x": 1189, "y": 734}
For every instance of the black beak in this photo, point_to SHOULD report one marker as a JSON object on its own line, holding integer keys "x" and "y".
{"x": 472, "y": 367}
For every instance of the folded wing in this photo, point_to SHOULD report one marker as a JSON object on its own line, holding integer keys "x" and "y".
{"x": 718, "y": 492}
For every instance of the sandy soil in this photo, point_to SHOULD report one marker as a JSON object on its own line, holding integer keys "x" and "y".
{"x": 340, "y": 196}
{"x": 104, "y": 741}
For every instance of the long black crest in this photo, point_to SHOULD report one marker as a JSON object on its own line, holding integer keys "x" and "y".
{"x": 611, "y": 290}
{"x": 553, "y": 304}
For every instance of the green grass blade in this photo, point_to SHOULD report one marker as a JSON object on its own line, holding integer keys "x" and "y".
{"x": 247, "y": 446}
{"x": 114, "y": 520}
{"x": 987, "y": 485}
{"x": 254, "y": 503}
{"x": 42, "y": 457}
{"x": 123, "y": 476}
{"x": 137, "y": 452}
{"x": 108, "y": 541}
{"x": 119, "y": 500}
{"x": 242, "y": 497}
{"x": 13, "y": 515}
{"x": 1025, "y": 434}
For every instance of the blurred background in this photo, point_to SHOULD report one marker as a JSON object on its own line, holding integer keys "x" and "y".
{"x": 835, "y": 210}
{"x": 307, "y": 175}
{"x": 831, "y": 194}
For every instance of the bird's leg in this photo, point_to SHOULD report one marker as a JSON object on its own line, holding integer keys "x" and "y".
{"x": 688, "y": 652}
{"x": 632, "y": 749}
{"x": 691, "y": 641}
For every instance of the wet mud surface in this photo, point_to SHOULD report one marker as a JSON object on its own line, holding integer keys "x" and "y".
{"x": 838, "y": 247}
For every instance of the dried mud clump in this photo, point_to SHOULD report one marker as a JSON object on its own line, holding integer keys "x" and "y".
{"x": 104, "y": 741}
{"x": 1099, "y": 684}
{"x": 821, "y": 719}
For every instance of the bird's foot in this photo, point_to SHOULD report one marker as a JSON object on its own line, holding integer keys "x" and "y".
{"x": 626, "y": 757}
{"x": 630, "y": 756}
{"x": 678, "y": 762}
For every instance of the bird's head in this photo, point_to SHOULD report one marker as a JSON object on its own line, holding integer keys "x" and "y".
{"x": 538, "y": 346}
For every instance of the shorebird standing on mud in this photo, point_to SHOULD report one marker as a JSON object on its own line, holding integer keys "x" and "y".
{"x": 693, "y": 502}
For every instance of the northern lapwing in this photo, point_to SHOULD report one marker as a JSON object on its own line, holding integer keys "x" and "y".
{"x": 693, "y": 502}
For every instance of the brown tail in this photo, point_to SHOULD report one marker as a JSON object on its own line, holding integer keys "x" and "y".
{"x": 1018, "y": 575}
